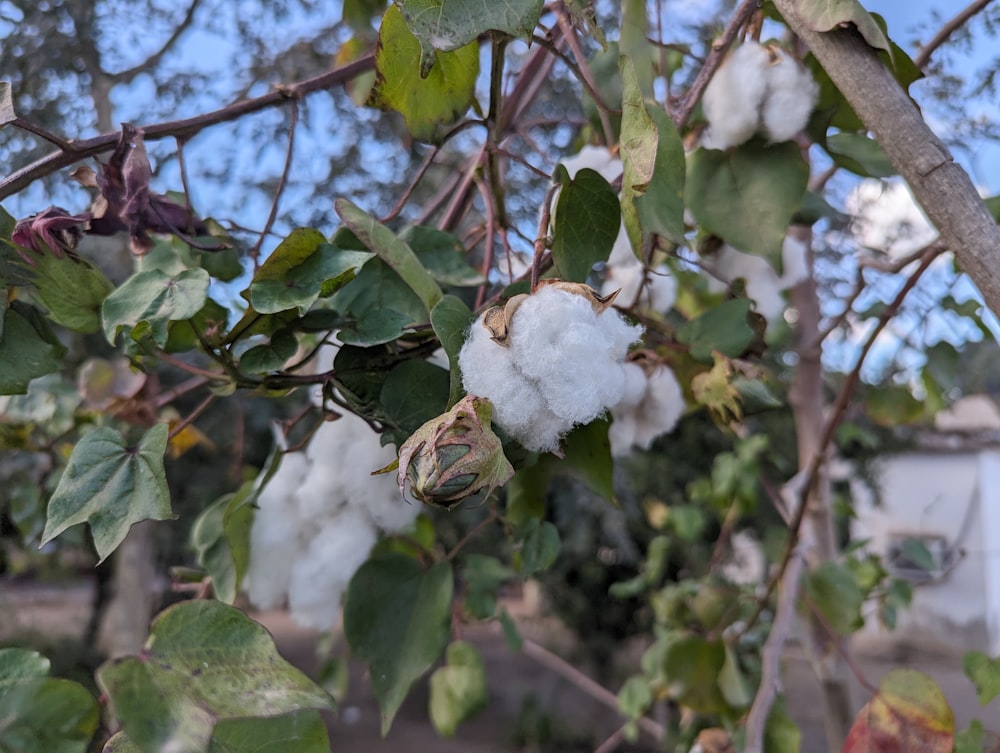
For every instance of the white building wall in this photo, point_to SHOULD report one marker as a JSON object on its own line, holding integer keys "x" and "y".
{"x": 989, "y": 495}
{"x": 934, "y": 494}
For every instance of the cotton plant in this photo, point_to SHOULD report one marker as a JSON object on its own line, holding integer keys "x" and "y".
{"x": 548, "y": 361}
{"x": 655, "y": 289}
{"x": 319, "y": 517}
{"x": 764, "y": 286}
{"x": 651, "y": 406}
{"x": 757, "y": 90}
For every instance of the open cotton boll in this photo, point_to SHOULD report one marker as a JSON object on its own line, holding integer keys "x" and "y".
{"x": 275, "y": 536}
{"x": 658, "y": 293}
{"x": 790, "y": 99}
{"x": 597, "y": 158}
{"x": 563, "y": 366}
{"x": 794, "y": 261}
{"x": 763, "y": 286}
{"x": 321, "y": 574}
{"x": 733, "y": 98}
{"x": 652, "y": 405}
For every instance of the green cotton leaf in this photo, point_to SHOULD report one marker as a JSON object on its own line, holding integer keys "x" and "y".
{"x": 391, "y": 250}
{"x": 451, "y": 320}
{"x": 748, "y": 195}
{"x": 429, "y": 88}
{"x": 28, "y": 349}
{"x": 110, "y": 484}
{"x": 860, "y": 154}
{"x": 832, "y": 590}
{"x": 301, "y": 732}
{"x": 443, "y": 255}
{"x": 72, "y": 290}
{"x": 322, "y": 274}
{"x": 971, "y": 739}
{"x": 360, "y": 374}
{"x": 413, "y": 393}
{"x": 526, "y": 493}
{"x": 510, "y": 634}
{"x": 587, "y": 456}
{"x": 654, "y": 169}
{"x": 781, "y": 734}
{"x": 204, "y": 663}
{"x": 376, "y": 328}
{"x": 827, "y": 15}
{"x": 154, "y": 298}
{"x": 38, "y": 713}
{"x": 183, "y": 336}
{"x": 635, "y": 697}
{"x": 483, "y": 576}
{"x": 458, "y": 689}
{"x": 272, "y": 355}
{"x": 587, "y": 222}
{"x": 540, "y": 545}
{"x": 450, "y": 24}
{"x": 723, "y": 328}
{"x": 984, "y": 673}
{"x": 692, "y": 665}
{"x": 397, "y": 618}
{"x": 633, "y": 42}
{"x": 220, "y": 537}
{"x": 7, "y": 112}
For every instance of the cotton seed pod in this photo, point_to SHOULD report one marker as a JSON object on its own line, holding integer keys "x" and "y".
{"x": 454, "y": 455}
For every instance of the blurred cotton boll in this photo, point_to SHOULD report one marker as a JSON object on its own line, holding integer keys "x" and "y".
{"x": 322, "y": 572}
{"x": 651, "y": 406}
{"x": 791, "y": 96}
{"x": 763, "y": 286}
{"x": 319, "y": 517}
{"x": 563, "y": 366}
{"x": 597, "y": 158}
{"x": 733, "y": 98}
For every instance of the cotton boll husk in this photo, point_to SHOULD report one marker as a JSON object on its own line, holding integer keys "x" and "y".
{"x": 790, "y": 99}
{"x": 321, "y": 574}
{"x": 733, "y": 98}
{"x": 658, "y": 293}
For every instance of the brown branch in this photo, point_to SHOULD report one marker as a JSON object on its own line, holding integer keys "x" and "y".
{"x": 126, "y": 76}
{"x": 714, "y": 59}
{"x": 27, "y": 125}
{"x": 183, "y": 129}
{"x": 542, "y": 240}
{"x": 293, "y": 123}
{"x": 594, "y": 689}
{"x": 191, "y": 417}
{"x": 583, "y": 69}
{"x": 770, "y": 679}
{"x": 944, "y": 33}
{"x": 941, "y": 186}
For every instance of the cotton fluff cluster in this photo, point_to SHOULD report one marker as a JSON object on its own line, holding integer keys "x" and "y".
{"x": 757, "y": 90}
{"x": 656, "y": 290}
{"x": 318, "y": 519}
{"x": 563, "y": 367}
{"x": 763, "y": 285}
{"x": 651, "y": 406}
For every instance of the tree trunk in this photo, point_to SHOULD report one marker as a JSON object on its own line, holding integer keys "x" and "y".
{"x": 125, "y": 622}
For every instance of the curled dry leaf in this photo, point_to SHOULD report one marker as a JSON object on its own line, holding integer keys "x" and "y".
{"x": 53, "y": 230}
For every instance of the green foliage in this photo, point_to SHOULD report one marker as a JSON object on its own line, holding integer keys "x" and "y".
{"x": 587, "y": 217}
{"x": 147, "y": 301}
{"x": 71, "y": 290}
{"x": 984, "y": 673}
{"x": 38, "y": 712}
{"x": 206, "y": 663}
{"x": 396, "y": 617}
{"x": 110, "y": 483}
{"x": 28, "y": 349}
{"x": 827, "y": 15}
{"x": 431, "y": 89}
{"x": 458, "y": 689}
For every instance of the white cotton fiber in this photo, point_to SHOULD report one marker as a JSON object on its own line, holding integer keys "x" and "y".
{"x": 791, "y": 96}
{"x": 733, "y": 98}
{"x": 563, "y": 366}
{"x": 319, "y": 517}
{"x": 598, "y": 158}
{"x": 794, "y": 260}
{"x": 322, "y": 572}
{"x": 651, "y": 406}
{"x": 763, "y": 286}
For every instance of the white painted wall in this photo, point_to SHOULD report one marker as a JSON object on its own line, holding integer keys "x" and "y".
{"x": 957, "y": 496}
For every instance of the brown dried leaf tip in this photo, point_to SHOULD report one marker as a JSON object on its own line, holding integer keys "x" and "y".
{"x": 53, "y": 231}
{"x": 498, "y": 320}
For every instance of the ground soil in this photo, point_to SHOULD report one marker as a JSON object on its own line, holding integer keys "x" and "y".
{"x": 532, "y": 707}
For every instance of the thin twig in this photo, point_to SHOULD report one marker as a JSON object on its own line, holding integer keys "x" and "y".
{"x": 586, "y": 75}
{"x": 614, "y": 740}
{"x": 293, "y": 123}
{"x": 191, "y": 368}
{"x": 126, "y": 76}
{"x": 924, "y": 56}
{"x": 27, "y": 125}
{"x": 542, "y": 240}
{"x": 189, "y": 385}
{"x": 491, "y": 229}
{"x": 189, "y": 419}
{"x": 716, "y": 55}
{"x": 595, "y": 690}
{"x": 770, "y": 679}
{"x": 479, "y": 528}
{"x": 186, "y": 128}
